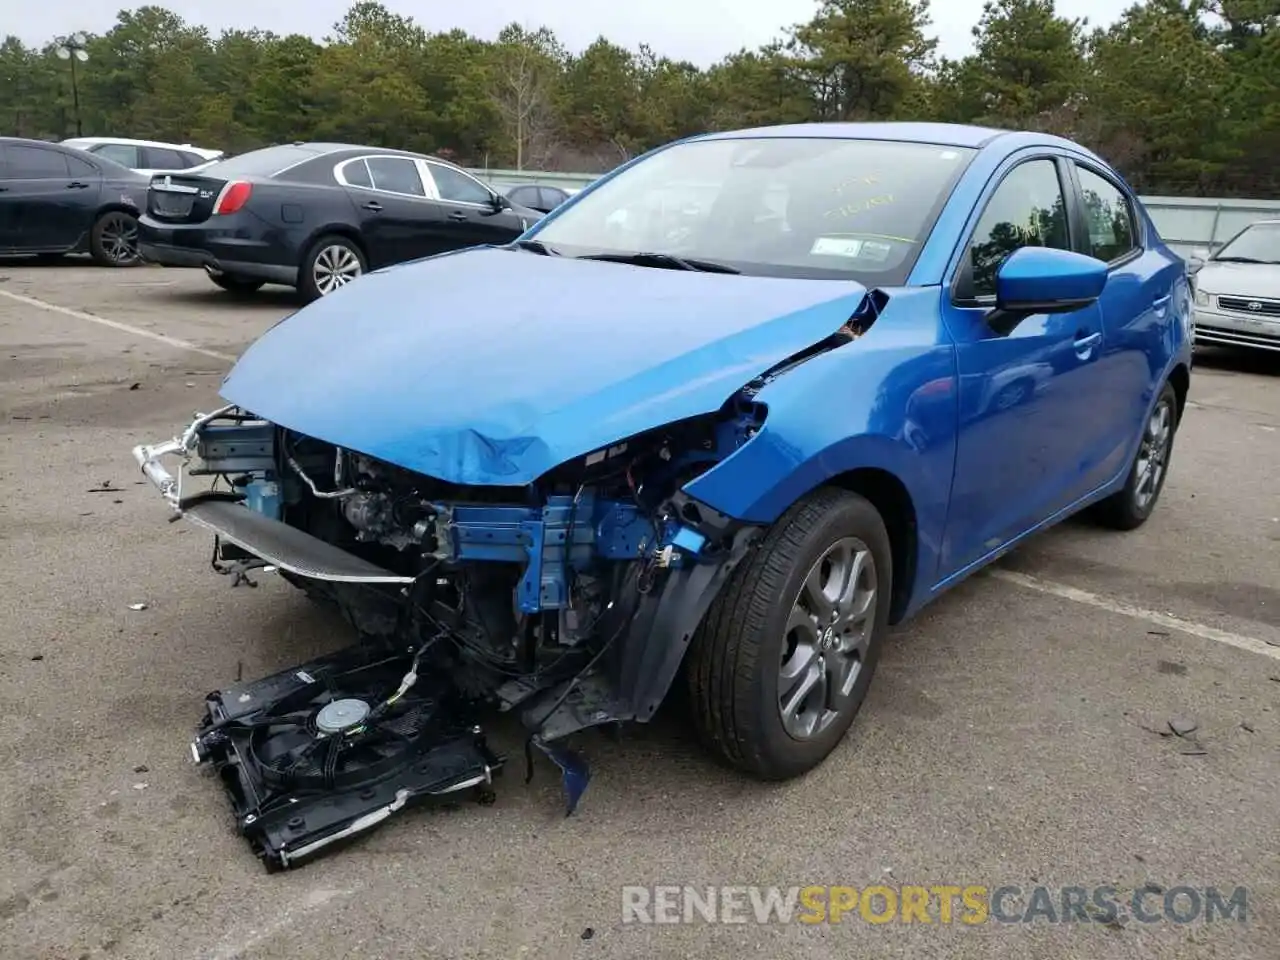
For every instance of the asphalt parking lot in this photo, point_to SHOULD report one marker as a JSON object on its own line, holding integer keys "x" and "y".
{"x": 1017, "y": 733}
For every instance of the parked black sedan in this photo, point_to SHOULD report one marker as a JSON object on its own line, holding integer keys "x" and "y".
{"x": 537, "y": 196}
{"x": 56, "y": 200}
{"x": 315, "y": 216}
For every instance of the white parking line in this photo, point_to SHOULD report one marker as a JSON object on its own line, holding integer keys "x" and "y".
{"x": 1167, "y": 620}
{"x": 117, "y": 325}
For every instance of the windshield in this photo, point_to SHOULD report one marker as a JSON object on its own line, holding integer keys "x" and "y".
{"x": 787, "y": 207}
{"x": 1256, "y": 243}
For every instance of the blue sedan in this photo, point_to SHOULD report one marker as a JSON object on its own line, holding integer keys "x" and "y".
{"x": 720, "y": 420}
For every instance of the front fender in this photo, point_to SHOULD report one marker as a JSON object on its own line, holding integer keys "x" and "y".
{"x": 886, "y": 401}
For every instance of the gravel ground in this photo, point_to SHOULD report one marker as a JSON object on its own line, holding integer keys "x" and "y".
{"x": 1016, "y": 734}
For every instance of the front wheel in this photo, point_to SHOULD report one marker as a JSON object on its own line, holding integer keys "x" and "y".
{"x": 329, "y": 263}
{"x": 113, "y": 241}
{"x": 1130, "y": 507}
{"x": 782, "y": 661}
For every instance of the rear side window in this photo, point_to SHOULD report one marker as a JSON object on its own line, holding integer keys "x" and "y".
{"x": 1112, "y": 232}
{"x": 33, "y": 163}
{"x": 356, "y": 173}
{"x": 266, "y": 162}
{"x": 1028, "y": 209}
{"x": 122, "y": 153}
{"x": 161, "y": 158}
{"x": 396, "y": 175}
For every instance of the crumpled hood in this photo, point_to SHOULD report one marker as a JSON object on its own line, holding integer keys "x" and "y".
{"x": 1239, "y": 279}
{"x": 492, "y": 366}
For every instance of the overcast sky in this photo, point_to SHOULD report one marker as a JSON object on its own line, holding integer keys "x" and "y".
{"x": 702, "y": 31}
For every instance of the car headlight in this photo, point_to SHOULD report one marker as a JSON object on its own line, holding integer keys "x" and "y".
{"x": 1202, "y": 298}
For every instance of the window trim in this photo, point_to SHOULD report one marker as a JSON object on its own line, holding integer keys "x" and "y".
{"x": 1139, "y": 228}
{"x": 428, "y": 164}
{"x": 961, "y": 263}
{"x": 97, "y": 148}
{"x": 428, "y": 187}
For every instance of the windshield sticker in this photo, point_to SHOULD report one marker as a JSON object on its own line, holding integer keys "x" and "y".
{"x": 836, "y": 247}
{"x": 876, "y": 250}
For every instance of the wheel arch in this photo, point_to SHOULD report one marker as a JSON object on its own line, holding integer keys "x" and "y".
{"x": 889, "y": 495}
{"x": 338, "y": 229}
{"x": 1180, "y": 380}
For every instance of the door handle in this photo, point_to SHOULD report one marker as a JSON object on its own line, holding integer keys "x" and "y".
{"x": 1088, "y": 342}
{"x": 458, "y": 216}
{"x": 77, "y": 185}
{"x": 373, "y": 205}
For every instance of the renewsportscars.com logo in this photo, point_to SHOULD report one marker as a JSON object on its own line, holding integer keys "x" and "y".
{"x": 969, "y": 905}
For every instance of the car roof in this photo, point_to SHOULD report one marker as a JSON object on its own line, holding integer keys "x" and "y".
{"x": 939, "y": 134}
{"x": 143, "y": 143}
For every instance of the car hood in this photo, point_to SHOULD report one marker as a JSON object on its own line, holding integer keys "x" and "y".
{"x": 1240, "y": 279}
{"x": 492, "y": 366}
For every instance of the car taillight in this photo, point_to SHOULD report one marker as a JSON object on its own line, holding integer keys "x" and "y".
{"x": 233, "y": 196}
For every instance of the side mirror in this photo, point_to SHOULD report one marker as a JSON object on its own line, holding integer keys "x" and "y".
{"x": 1194, "y": 265}
{"x": 1044, "y": 280}
{"x": 499, "y": 202}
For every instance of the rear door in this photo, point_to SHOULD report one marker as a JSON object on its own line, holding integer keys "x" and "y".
{"x": 51, "y": 196}
{"x": 1138, "y": 305}
{"x": 399, "y": 220}
{"x": 473, "y": 219}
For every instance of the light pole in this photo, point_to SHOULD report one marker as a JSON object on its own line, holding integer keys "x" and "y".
{"x": 73, "y": 48}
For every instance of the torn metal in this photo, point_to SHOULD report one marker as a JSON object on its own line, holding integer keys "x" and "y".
{"x": 568, "y": 602}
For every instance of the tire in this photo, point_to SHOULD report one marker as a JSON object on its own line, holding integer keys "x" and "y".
{"x": 734, "y": 674}
{"x": 113, "y": 241}
{"x": 1129, "y": 508}
{"x": 329, "y": 255}
{"x": 233, "y": 284}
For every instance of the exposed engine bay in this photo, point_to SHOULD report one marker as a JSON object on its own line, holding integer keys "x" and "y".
{"x": 568, "y": 601}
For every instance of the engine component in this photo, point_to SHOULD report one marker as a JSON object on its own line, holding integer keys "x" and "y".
{"x": 308, "y": 764}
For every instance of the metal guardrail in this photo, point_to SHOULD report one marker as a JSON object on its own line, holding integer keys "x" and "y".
{"x": 1187, "y": 224}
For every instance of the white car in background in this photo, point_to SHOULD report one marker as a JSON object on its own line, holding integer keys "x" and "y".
{"x": 147, "y": 156}
{"x": 1237, "y": 290}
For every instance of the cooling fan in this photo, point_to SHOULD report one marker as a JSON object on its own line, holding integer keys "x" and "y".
{"x": 323, "y": 752}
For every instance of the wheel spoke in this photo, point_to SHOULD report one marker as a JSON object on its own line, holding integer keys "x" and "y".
{"x": 827, "y": 633}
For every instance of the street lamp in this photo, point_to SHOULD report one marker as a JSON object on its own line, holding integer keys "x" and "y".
{"x": 73, "y": 48}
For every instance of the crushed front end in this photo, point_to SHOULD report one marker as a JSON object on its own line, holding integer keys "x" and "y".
{"x": 569, "y": 601}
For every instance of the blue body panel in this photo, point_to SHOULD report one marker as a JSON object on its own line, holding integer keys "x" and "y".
{"x": 490, "y": 367}
{"x": 449, "y": 367}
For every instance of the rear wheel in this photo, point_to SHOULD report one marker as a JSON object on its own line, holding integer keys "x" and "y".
{"x": 113, "y": 241}
{"x": 1130, "y": 507}
{"x": 234, "y": 284}
{"x": 331, "y": 262}
{"x": 782, "y": 662}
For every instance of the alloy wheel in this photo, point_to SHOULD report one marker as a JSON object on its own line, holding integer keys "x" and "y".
{"x": 1153, "y": 454}
{"x": 828, "y": 633}
{"x": 119, "y": 238}
{"x": 335, "y": 266}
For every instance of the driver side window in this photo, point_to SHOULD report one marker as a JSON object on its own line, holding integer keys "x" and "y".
{"x": 1028, "y": 209}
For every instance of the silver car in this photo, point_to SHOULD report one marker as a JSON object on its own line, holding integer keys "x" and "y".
{"x": 1237, "y": 290}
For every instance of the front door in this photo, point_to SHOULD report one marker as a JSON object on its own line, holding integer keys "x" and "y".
{"x": 1026, "y": 399}
{"x": 470, "y": 211}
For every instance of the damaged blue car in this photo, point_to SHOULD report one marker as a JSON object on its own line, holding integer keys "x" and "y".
{"x": 716, "y": 423}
